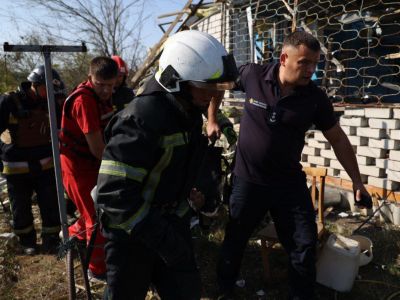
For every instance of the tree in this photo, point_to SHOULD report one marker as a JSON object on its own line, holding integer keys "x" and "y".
{"x": 111, "y": 26}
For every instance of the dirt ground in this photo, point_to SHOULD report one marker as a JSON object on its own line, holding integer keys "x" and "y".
{"x": 44, "y": 277}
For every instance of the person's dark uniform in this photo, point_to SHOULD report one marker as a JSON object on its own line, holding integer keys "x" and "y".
{"x": 121, "y": 97}
{"x": 27, "y": 157}
{"x": 269, "y": 177}
{"x": 144, "y": 209}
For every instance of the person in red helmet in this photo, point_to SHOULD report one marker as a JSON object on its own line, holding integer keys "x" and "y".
{"x": 122, "y": 94}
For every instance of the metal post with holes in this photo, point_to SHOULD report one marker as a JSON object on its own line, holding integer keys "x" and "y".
{"x": 46, "y": 50}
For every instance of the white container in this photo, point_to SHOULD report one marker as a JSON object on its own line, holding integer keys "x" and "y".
{"x": 337, "y": 265}
{"x": 366, "y": 246}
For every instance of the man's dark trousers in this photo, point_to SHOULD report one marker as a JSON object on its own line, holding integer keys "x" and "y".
{"x": 292, "y": 211}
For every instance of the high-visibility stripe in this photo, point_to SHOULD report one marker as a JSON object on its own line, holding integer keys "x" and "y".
{"x": 21, "y": 167}
{"x": 119, "y": 169}
{"x": 24, "y": 230}
{"x": 148, "y": 192}
{"x": 173, "y": 140}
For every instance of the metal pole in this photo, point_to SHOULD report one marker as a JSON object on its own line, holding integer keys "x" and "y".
{"x": 62, "y": 206}
{"x": 46, "y": 51}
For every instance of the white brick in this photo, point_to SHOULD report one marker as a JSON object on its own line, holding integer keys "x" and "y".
{"x": 382, "y": 113}
{"x": 311, "y": 151}
{"x": 359, "y": 112}
{"x": 384, "y": 123}
{"x": 393, "y": 175}
{"x": 394, "y": 134}
{"x": 318, "y": 160}
{"x": 384, "y": 144}
{"x": 319, "y": 136}
{"x": 394, "y": 155}
{"x": 335, "y": 164}
{"x": 305, "y": 164}
{"x": 343, "y": 174}
{"x": 353, "y": 121}
{"x": 381, "y": 163}
{"x": 358, "y": 140}
{"x": 365, "y": 160}
{"x": 396, "y": 113}
{"x": 383, "y": 183}
{"x": 319, "y": 145}
{"x": 371, "y": 132}
{"x": 371, "y": 152}
{"x": 328, "y": 154}
{"x": 348, "y": 130}
{"x": 333, "y": 172}
{"x": 393, "y": 165}
{"x": 372, "y": 171}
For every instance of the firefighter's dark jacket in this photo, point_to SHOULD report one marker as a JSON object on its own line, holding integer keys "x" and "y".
{"x": 121, "y": 97}
{"x": 149, "y": 164}
{"x": 24, "y": 123}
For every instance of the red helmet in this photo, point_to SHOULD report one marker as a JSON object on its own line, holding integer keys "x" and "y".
{"x": 122, "y": 67}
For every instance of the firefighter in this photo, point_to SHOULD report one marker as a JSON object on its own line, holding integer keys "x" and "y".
{"x": 122, "y": 94}
{"x": 149, "y": 167}
{"x": 86, "y": 112}
{"x": 27, "y": 158}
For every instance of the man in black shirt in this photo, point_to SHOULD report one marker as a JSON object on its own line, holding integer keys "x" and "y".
{"x": 281, "y": 104}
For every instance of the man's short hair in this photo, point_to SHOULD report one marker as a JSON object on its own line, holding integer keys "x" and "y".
{"x": 298, "y": 38}
{"x": 103, "y": 67}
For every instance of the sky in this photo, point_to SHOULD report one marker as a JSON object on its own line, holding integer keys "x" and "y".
{"x": 16, "y": 19}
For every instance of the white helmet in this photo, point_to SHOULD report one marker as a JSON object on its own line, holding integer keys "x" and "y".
{"x": 198, "y": 57}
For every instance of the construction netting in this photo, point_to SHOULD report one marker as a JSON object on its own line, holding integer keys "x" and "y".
{"x": 359, "y": 39}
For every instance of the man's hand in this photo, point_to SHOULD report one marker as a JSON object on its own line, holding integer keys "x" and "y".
{"x": 196, "y": 199}
{"x": 362, "y": 198}
{"x": 213, "y": 130}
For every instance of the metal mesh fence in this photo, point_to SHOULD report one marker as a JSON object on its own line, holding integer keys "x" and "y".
{"x": 360, "y": 41}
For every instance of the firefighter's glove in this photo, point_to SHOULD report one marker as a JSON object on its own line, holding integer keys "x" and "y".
{"x": 230, "y": 135}
{"x": 362, "y": 200}
{"x": 160, "y": 235}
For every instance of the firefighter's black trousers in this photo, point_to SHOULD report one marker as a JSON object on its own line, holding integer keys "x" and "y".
{"x": 132, "y": 267}
{"x": 20, "y": 190}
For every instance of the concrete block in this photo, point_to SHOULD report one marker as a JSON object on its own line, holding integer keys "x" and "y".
{"x": 311, "y": 151}
{"x": 372, "y": 171}
{"x": 319, "y": 136}
{"x": 328, "y": 154}
{"x": 348, "y": 130}
{"x": 383, "y": 183}
{"x": 381, "y": 113}
{"x": 333, "y": 172}
{"x": 319, "y": 145}
{"x": 396, "y": 113}
{"x": 382, "y": 163}
{"x": 371, "y": 152}
{"x": 371, "y": 132}
{"x": 394, "y": 134}
{"x": 393, "y": 175}
{"x": 394, "y": 155}
{"x": 384, "y": 123}
{"x": 343, "y": 174}
{"x": 384, "y": 144}
{"x": 358, "y": 112}
{"x": 318, "y": 160}
{"x": 353, "y": 121}
{"x": 335, "y": 164}
{"x": 358, "y": 140}
{"x": 365, "y": 160}
{"x": 394, "y": 165}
